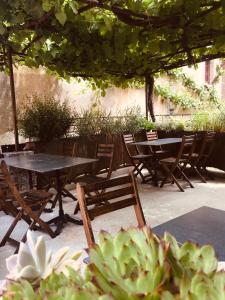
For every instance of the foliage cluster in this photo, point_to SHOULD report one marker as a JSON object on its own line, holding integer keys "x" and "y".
{"x": 135, "y": 264}
{"x": 200, "y": 121}
{"x": 178, "y": 99}
{"x": 95, "y": 120}
{"x": 44, "y": 118}
{"x": 129, "y": 39}
{"x": 194, "y": 96}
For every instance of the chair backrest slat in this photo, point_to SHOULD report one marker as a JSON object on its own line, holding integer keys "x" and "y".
{"x": 151, "y": 135}
{"x": 131, "y": 150}
{"x": 207, "y": 147}
{"x": 123, "y": 194}
{"x": 187, "y": 144}
{"x": 120, "y": 192}
{"x": 107, "y": 184}
{"x": 128, "y": 138}
{"x": 107, "y": 208}
{"x": 105, "y": 153}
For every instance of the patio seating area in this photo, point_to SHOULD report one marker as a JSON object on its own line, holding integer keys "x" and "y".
{"x": 159, "y": 205}
{"x": 112, "y": 150}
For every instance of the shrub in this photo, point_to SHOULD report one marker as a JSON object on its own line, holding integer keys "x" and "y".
{"x": 201, "y": 121}
{"x": 171, "y": 124}
{"x": 95, "y": 120}
{"x": 147, "y": 125}
{"x": 44, "y": 118}
{"x": 134, "y": 264}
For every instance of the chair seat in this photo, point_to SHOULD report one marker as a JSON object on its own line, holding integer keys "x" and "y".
{"x": 36, "y": 196}
{"x": 90, "y": 179}
{"x": 142, "y": 156}
{"x": 3, "y": 185}
{"x": 160, "y": 152}
{"x": 193, "y": 155}
{"x": 171, "y": 160}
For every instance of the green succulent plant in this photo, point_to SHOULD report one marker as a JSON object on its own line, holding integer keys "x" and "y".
{"x": 134, "y": 264}
{"x": 129, "y": 266}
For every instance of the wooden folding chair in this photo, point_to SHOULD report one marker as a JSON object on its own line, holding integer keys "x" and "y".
{"x": 157, "y": 150}
{"x": 174, "y": 165}
{"x": 198, "y": 159}
{"x": 208, "y": 145}
{"x": 102, "y": 169}
{"x": 139, "y": 160}
{"x": 118, "y": 193}
{"x": 26, "y": 206}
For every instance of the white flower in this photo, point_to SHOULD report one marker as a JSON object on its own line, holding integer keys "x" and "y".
{"x": 33, "y": 262}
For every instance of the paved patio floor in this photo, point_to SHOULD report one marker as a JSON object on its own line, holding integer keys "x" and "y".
{"x": 159, "y": 205}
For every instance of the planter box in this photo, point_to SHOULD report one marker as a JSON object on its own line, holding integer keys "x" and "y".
{"x": 85, "y": 146}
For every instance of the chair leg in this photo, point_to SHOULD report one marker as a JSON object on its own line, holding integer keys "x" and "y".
{"x": 68, "y": 194}
{"x": 166, "y": 176}
{"x": 207, "y": 173}
{"x": 138, "y": 172}
{"x": 54, "y": 201}
{"x": 198, "y": 173}
{"x": 177, "y": 183}
{"x": 11, "y": 228}
{"x": 170, "y": 174}
{"x": 77, "y": 208}
{"x": 185, "y": 177}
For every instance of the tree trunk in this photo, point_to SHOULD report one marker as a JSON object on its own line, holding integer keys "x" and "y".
{"x": 13, "y": 97}
{"x": 149, "y": 89}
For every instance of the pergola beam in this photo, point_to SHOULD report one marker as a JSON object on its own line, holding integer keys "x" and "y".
{"x": 13, "y": 97}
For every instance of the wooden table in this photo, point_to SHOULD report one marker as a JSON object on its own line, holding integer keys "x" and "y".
{"x": 45, "y": 163}
{"x": 157, "y": 143}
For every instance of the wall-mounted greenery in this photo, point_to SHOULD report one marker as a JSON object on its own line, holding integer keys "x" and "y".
{"x": 193, "y": 96}
{"x": 178, "y": 99}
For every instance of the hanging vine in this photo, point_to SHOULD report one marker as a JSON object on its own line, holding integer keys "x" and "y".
{"x": 194, "y": 96}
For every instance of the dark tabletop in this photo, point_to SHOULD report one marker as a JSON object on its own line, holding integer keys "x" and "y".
{"x": 43, "y": 163}
{"x": 204, "y": 225}
{"x": 159, "y": 142}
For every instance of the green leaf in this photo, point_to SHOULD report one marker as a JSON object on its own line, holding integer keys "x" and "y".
{"x": 2, "y": 29}
{"x": 61, "y": 17}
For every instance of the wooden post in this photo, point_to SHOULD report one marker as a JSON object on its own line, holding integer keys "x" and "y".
{"x": 13, "y": 97}
{"x": 149, "y": 89}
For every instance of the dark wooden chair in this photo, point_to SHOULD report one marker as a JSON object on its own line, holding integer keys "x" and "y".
{"x": 118, "y": 193}
{"x": 173, "y": 166}
{"x": 102, "y": 169}
{"x": 157, "y": 150}
{"x": 199, "y": 156}
{"x": 26, "y": 206}
{"x": 192, "y": 158}
{"x": 139, "y": 160}
{"x": 208, "y": 145}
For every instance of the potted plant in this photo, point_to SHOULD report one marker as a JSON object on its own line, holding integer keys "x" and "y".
{"x": 134, "y": 264}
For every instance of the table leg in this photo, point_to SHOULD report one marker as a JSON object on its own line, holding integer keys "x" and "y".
{"x": 62, "y": 218}
{"x": 30, "y": 180}
{"x": 155, "y": 179}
